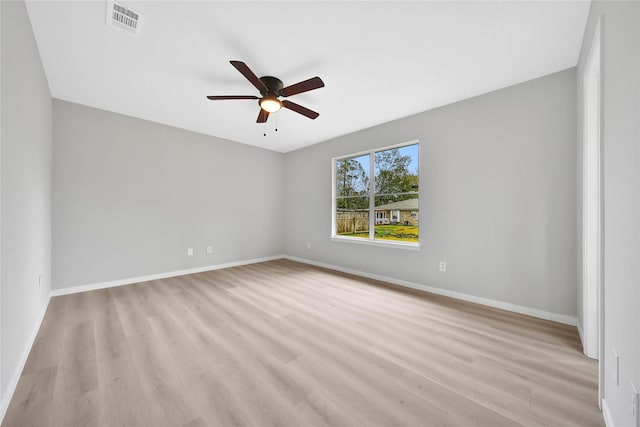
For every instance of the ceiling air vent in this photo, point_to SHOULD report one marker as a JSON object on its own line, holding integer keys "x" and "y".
{"x": 123, "y": 17}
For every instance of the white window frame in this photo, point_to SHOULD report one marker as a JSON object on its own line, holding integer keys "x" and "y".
{"x": 372, "y": 216}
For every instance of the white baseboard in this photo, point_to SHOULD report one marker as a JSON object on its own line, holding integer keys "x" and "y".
{"x": 560, "y": 318}
{"x": 11, "y": 388}
{"x": 131, "y": 280}
{"x": 585, "y": 351}
{"x": 580, "y": 333}
{"x": 608, "y": 420}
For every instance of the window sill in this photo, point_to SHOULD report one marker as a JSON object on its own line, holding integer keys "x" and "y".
{"x": 380, "y": 243}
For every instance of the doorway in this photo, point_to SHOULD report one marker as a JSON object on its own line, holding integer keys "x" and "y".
{"x": 592, "y": 211}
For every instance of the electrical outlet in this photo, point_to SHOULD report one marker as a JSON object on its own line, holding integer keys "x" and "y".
{"x": 308, "y": 245}
{"x": 209, "y": 249}
{"x": 189, "y": 251}
{"x": 443, "y": 266}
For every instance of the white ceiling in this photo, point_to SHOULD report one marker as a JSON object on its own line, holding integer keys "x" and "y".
{"x": 379, "y": 60}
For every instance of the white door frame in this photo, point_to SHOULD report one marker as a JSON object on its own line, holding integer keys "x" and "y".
{"x": 592, "y": 209}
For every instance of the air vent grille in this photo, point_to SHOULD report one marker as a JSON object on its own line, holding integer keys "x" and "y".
{"x": 123, "y": 17}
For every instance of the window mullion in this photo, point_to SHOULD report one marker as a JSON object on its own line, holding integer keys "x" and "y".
{"x": 372, "y": 189}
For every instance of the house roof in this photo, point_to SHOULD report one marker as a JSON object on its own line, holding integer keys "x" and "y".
{"x": 403, "y": 205}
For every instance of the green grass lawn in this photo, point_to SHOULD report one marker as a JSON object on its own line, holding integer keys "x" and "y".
{"x": 404, "y": 233}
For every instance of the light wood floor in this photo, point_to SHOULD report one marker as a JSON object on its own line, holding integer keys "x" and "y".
{"x": 282, "y": 343}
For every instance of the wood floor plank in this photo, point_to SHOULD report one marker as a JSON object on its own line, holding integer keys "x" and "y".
{"x": 462, "y": 411}
{"x": 122, "y": 398}
{"x": 282, "y": 343}
{"x": 320, "y": 411}
{"x": 32, "y": 401}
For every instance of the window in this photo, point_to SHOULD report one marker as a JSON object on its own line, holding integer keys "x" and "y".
{"x": 382, "y": 181}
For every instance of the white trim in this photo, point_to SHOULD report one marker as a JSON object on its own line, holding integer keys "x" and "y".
{"x": 560, "y": 318}
{"x": 3, "y": 405}
{"x": 593, "y": 311}
{"x": 580, "y": 333}
{"x": 381, "y": 243}
{"x": 591, "y": 197}
{"x": 606, "y": 414}
{"x": 372, "y": 193}
{"x": 131, "y": 280}
{"x": 601, "y": 293}
{"x": 11, "y": 387}
{"x": 386, "y": 147}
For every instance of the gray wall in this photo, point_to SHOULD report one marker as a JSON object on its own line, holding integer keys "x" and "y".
{"x": 497, "y": 197}
{"x": 25, "y": 188}
{"x": 621, "y": 151}
{"x": 130, "y": 196}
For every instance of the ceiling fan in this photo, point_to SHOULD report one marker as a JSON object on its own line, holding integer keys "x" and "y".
{"x": 271, "y": 89}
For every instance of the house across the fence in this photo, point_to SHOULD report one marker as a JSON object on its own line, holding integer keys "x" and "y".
{"x": 403, "y": 212}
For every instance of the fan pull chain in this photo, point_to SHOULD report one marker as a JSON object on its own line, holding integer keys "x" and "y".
{"x": 264, "y": 126}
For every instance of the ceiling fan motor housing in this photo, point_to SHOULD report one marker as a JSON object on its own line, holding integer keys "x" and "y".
{"x": 274, "y": 86}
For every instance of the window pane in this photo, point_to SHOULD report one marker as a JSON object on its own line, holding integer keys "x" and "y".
{"x": 397, "y": 220}
{"x": 396, "y": 171}
{"x": 352, "y": 176}
{"x": 352, "y": 216}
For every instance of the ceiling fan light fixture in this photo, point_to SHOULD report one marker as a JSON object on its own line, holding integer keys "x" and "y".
{"x": 270, "y": 104}
{"x": 271, "y": 88}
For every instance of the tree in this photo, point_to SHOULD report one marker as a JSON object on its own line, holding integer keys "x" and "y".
{"x": 351, "y": 180}
{"x": 393, "y": 177}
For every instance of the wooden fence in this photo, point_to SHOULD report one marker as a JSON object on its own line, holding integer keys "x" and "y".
{"x": 349, "y": 222}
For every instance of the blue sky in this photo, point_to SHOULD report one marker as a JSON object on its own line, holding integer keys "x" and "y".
{"x": 410, "y": 150}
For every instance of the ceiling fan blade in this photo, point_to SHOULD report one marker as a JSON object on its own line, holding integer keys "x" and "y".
{"x": 262, "y": 116}
{"x": 249, "y": 75}
{"x": 305, "y": 86}
{"x": 300, "y": 109}
{"x": 216, "y": 98}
